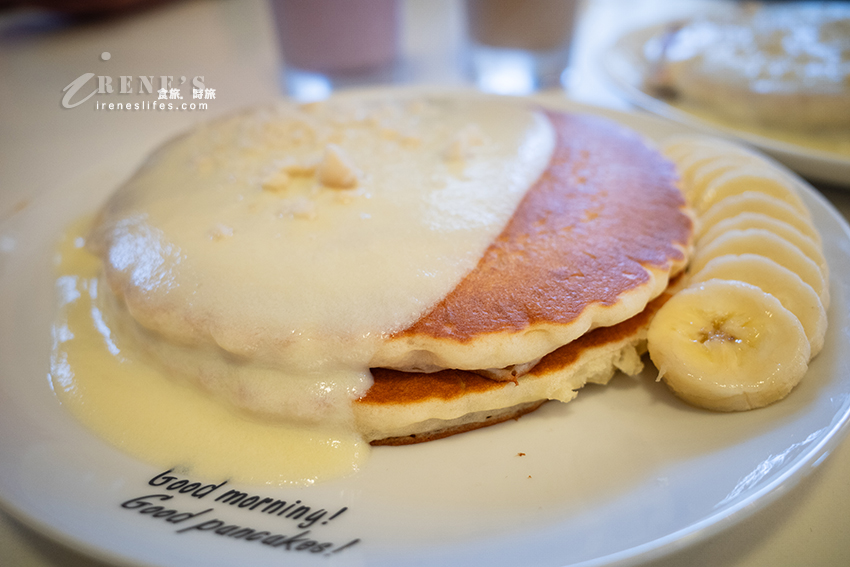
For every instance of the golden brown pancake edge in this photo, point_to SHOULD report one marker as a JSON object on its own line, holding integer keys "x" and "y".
{"x": 594, "y": 240}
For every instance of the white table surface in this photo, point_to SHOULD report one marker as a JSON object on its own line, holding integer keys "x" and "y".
{"x": 232, "y": 44}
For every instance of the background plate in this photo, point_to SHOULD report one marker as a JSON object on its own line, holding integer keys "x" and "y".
{"x": 626, "y": 65}
{"x": 623, "y": 474}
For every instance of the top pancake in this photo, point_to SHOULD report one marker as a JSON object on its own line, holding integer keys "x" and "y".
{"x": 591, "y": 243}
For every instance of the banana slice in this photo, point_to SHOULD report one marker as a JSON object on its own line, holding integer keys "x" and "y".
{"x": 728, "y": 346}
{"x": 758, "y": 178}
{"x": 767, "y": 244}
{"x": 701, "y": 176}
{"x": 757, "y": 220}
{"x": 752, "y": 202}
{"x": 796, "y": 296}
{"x": 693, "y": 155}
{"x": 691, "y": 163}
{"x": 697, "y": 157}
{"x": 678, "y": 147}
{"x": 702, "y": 166}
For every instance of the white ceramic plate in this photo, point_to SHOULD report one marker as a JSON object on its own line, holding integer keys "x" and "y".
{"x": 624, "y": 474}
{"x": 626, "y": 64}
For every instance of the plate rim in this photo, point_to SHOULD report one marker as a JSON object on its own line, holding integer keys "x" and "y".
{"x": 685, "y": 537}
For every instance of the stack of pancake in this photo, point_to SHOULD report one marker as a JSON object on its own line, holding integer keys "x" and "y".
{"x": 560, "y": 298}
{"x": 572, "y": 282}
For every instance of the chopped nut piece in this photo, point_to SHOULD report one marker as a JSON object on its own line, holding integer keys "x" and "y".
{"x": 336, "y": 137}
{"x": 303, "y": 168}
{"x": 219, "y": 232}
{"x": 463, "y": 142}
{"x": 299, "y": 207}
{"x": 388, "y": 133}
{"x": 336, "y": 169}
{"x": 277, "y": 182}
{"x": 411, "y": 141}
{"x": 205, "y": 164}
{"x": 282, "y": 178}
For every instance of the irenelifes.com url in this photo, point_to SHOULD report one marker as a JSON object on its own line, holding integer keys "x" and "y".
{"x": 150, "y": 105}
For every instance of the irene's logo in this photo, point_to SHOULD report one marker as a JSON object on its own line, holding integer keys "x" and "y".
{"x": 169, "y": 89}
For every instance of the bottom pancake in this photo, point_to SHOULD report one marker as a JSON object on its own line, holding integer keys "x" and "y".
{"x": 405, "y": 407}
{"x": 434, "y": 429}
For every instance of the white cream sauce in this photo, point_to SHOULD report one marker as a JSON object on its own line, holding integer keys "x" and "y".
{"x": 266, "y": 256}
{"x": 272, "y": 286}
{"x": 102, "y": 379}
